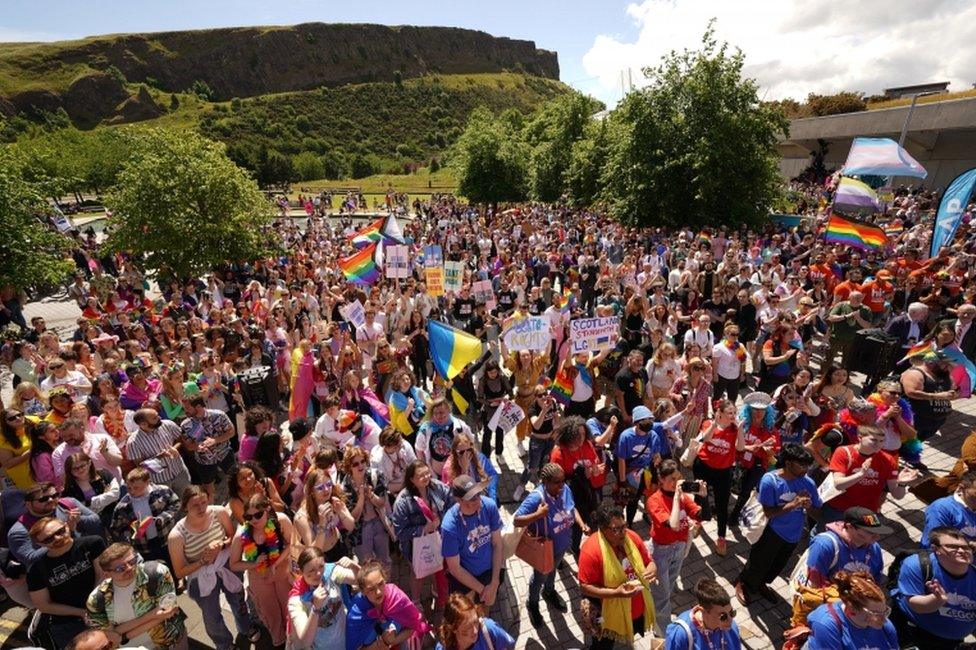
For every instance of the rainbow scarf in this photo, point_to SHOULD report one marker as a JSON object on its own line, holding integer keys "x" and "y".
{"x": 273, "y": 543}
{"x": 738, "y": 348}
{"x": 911, "y": 448}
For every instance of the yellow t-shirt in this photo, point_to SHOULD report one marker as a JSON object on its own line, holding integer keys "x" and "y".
{"x": 20, "y": 473}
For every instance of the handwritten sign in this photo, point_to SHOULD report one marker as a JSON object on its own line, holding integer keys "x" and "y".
{"x": 594, "y": 334}
{"x": 482, "y": 292}
{"x": 530, "y": 333}
{"x": 397, "y": 261}
{"x": 433, "y": 256}
{"x": 453, "y": 276}
{"x": 354, "y": 313}
{"x": 507, "y": 416}
{"x": 434, "y": 277}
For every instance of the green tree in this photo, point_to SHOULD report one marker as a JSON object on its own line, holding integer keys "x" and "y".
{"x": 490, "y": 159}
{"x": 31, "y": 252}
{"x": 551, "y": 132}
{"x": 335, "y": 165}
{"x": 586, "y": 160}
{"x": 174, "y": 102}
{"x": 308, "y": 166}
{"x": 696, "y": 146}
{"x": 843, "y": 102}
{"x": 274, "y": 168}
{"x": 182, "y": 206}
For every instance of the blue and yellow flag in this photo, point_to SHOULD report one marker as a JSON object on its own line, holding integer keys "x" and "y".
{"x": 451, "y": 349}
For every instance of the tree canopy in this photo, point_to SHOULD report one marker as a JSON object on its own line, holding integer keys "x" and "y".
{"x": 184, "y": 207}
{"x": 490, "y": 159}
{"x": 31, "y": 252}
{"x": 696, "y": 146}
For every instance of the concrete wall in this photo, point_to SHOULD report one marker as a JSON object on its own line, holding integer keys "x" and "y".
{"x": 941, "y": 136}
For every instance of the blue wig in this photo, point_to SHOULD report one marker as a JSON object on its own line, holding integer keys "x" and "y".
{"x": 769, "y": 418}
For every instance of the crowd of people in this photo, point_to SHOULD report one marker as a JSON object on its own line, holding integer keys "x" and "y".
{"x": 162, "y": 446}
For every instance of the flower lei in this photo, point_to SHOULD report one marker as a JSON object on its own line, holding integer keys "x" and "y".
{"x": 272, "y": 543}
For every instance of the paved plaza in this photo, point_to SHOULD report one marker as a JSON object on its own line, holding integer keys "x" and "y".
{"x": 762, "y": 623}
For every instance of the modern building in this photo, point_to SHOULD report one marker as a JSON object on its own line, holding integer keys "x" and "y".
{"x": 917, "y": 89}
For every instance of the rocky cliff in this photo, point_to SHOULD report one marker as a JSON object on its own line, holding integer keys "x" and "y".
{"x": 244, "y": 62}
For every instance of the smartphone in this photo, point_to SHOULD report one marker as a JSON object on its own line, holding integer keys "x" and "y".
{"x": 689, "y": 486}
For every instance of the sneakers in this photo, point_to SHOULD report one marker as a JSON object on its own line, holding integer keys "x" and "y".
{"x": 523, "y": 451}
{"x": 554, "y": 601}
{"x": 535, "y": 616}
{"x": 519, "y": 492}
{"x": 721, "y": 547}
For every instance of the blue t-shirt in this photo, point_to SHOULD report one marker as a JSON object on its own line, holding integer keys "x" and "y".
{"x": 949, "y": 511}
{"x": 827, "y": 634}
{"x": 676, "y": 637}
{"x": 637, "y": 450}
{"x": 560, "y": 518}
{"x": 954, "y": 620}
{"x": 774, "y": 490}
{"x": 470, "y": 536}
{"x": 829, "y": 554}
{"x": 500, "y": 639}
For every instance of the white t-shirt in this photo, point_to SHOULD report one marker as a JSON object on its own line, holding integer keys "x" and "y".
{"x": 122, "y": 611}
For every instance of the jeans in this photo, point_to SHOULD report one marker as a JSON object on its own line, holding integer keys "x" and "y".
{"x": 375, "y": 542}
{"x": 668, "y": 559}
{"x": 541, "y": 583}
{"x": 539, "y": 452}
{"x": 213, "y": 619}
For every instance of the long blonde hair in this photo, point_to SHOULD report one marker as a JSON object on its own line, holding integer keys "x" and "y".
{"x": 17, "y": 401}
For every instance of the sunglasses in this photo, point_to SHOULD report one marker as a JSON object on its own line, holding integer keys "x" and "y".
{"x": 47, "y": 498}
{"x": 125, "y": 566}
{"x": 724, "y": 616}
{"x": 322, "y": 487}
{"x": 357, "y": 464}
{"x": 464, "y": 451}
{"x": 14, "y": 416}
{"x": 254, "y": 515}
{"x": 50, "y": 538}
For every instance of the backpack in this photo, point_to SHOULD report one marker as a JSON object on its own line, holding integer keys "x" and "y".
{"x": 924, "y": 561}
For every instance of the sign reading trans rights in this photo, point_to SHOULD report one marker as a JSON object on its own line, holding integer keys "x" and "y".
{"x": 594, "y": 334}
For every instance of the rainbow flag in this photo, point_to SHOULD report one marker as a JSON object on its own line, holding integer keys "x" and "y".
{"x": 562, "y": 387}
{"x": 841, "y": 230}
{"x": 894, "y": 229}
{"x": 566, "y": 301}
{"x": 451, "y": 349}
{"x": 963, "y": 372}
{"x": 917, "y": 350}
{"x": 139, "y": 528}
{"x": 368, "y": 235}
{"x": 362, "y": 267}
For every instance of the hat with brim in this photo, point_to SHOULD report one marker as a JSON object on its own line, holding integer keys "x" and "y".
{"x": 758, "y": 400}
{"x": 105, "y": 338}
{"x": 466, "y": 488}
{"x": 866, "y": 519}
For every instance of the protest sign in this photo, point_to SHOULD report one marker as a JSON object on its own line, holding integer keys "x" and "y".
{"x": 482, "y": 292}
{"x": 507, "y": 416}
{"x": 60, "y": 221}
{"x": 354, "y": 313}
{"x": 433, "y": 256}
{"x": 453, "y": 276}
{"x": 435, "y": 281}
{"x": 397, "y": 261}
{"x": 594, "y": 334}
{"x": 530, "y": 333}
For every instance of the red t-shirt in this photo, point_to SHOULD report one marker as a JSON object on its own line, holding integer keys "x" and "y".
{"x": 868, "y": 492}
{"x": 659, "y": 508}
{"x": 585, "y": 456}
{"x": 843, "y": 290}
{"x": 591, "y": 567}
{"x": 719, "y": 451}
{"x": 754, "y": 436}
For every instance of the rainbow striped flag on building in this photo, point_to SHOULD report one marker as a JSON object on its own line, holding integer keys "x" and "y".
{"x": 843, "y": 230}
{"x": 362, "y": 267}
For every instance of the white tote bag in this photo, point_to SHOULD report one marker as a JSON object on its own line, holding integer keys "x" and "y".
{"x": 752, "y": 520}
{"x": 427, "y": 558}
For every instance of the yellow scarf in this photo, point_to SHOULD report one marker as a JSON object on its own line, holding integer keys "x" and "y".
{"x": 617, "y": 621}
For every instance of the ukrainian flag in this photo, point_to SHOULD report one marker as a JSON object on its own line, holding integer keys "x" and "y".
{"x": 451, "y": 349}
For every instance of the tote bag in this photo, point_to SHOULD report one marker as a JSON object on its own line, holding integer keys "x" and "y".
{"x": 535, "y": 551}
{"x": 752, "y": 521}
{"x": 427, "y": 559}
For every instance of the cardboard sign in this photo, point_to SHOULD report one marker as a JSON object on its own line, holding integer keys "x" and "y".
{"x": 482, "y": 292}
{"x": 433, "y": 256}
{"x": 398, "y": 261}
{"x": 532, "y": 333}
{"x": 594, "y": 334}
{"x": 355, "y": 313}
{"x": 507, "y": 416}
{"x": 453, "y": 276}
{"x": 434, "y": 277}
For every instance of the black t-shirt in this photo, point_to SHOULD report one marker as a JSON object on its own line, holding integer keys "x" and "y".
{"x": 68, "y": 578}
{"x": 463, "y": 308}
{"x": 632, "y": 385}
{"x": 506, "y": 301}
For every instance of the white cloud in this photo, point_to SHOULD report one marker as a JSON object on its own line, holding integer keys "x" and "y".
{"x": 795, "y": 47}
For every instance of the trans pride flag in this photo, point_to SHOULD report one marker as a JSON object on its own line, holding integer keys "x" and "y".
{"x": 880, "y": 157}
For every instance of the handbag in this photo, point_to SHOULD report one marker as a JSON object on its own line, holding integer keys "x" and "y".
{"x": 426, "y": 557}
{"x": 511, "y": 536}
{"x": 535, "y": 551}
{"x": 752, "y": 521}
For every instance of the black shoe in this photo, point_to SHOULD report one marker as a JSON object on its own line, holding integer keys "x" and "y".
{"x": 555, "y": 601}
{"x": 768, "y": 594}
{"x": 535, "y": 616}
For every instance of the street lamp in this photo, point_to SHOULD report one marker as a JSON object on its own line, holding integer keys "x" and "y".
{"x": 908, "y": 118}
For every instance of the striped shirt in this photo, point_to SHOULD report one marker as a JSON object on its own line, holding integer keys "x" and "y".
{"x": 143, "y": 445}
{"x": 194, "y": 544}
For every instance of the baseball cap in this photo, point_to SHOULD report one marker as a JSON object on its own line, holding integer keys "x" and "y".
{"x": 866, "y": 519}
{"x": 641, "y": 413}
{"x": 466, "y": 488}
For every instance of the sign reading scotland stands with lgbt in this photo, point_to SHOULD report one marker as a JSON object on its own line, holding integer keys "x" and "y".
{"x": 594, "y": 334}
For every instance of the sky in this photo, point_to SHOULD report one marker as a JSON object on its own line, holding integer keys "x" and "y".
{"x": 792, "y": 47}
